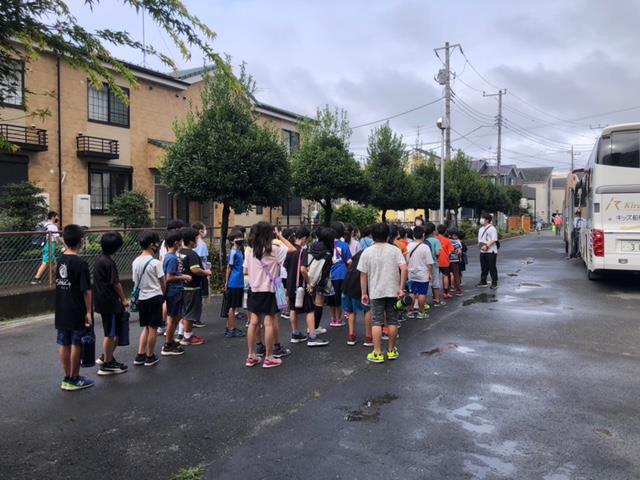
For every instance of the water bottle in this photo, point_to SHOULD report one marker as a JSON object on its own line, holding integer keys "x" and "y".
{"x": 123, "y": 338}
{"x": 88, "y": 353}
{"x": 245, "y": 296}
{"x": 299, "y": 297}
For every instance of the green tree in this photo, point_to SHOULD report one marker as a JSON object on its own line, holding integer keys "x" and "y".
{"x": 358, "y": 216}
{"x": 28, "y": 28}
{"x": 467, "y": 187}
{"x": 386, "y": 172}
{"x": 425, "y": 180}
{"x": 323, "y": 169}
{"x": 222, "y": 155}
{"x": 497, "y": 199}
{"x": 513, "y": 194}
{"x": 130, "y": 210}
{"x": 22, "y": 207}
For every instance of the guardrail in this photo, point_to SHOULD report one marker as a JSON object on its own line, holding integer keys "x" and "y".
{"x": 27, "y": 138}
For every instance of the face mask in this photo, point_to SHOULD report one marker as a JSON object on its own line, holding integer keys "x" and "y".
{"x": 482, "y": 221}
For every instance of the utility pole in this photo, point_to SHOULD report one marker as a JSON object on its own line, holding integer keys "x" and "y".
{"x": 499, "y": 122}
{"x": 444, "y": 79}
{"x": 572, "y": 158}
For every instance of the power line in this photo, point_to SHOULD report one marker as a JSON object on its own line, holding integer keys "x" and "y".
{"x": 397, "y": 114}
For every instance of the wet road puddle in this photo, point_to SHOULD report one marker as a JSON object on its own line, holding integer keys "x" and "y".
{"x": 444, "y": 348}
{"x": 530, "y": 285}
{"x": 370, "y": 409}
{"x": 528, "y": 261}
{"x": 480, "y": 298}
{"x": 512, "y": 274}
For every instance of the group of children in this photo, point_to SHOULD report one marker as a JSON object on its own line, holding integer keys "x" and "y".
{"x": 288, "y": 273}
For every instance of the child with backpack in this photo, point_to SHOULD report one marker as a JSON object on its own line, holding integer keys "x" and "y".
{"x": 420, "y": 263}
{"x": 74, "y": 309}
{"x": 319, "y": 267}
{"x": 352, "y": 303}
{"x": 148, "y": 278}
{"x": 455, "y": 259}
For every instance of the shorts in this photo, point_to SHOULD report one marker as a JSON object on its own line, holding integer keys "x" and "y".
{"x": 150, "y": 311}
{"x": 437, "y": 279}
{"x": 382, "y": 306}
{"x": 175, "y": 303}
{"x": 49, "y": 255}
{"x": 445, "y": 270}
{"x": 111, "y": 324}
{"x": 70, "y": 337}
{"x": 353, "y": 305}
{"x": 307, "y": 304}
{"x": 336, "y": 299}
{"x": 204, "y": 287}
{"x": 262, "y": 303}
{"x": 192, "y": 305}
{"x": 419, "y": 288}
{"x": 235, "y": 297}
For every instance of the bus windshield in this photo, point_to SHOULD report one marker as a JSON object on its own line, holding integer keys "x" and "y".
{"x": 620, "y": 149}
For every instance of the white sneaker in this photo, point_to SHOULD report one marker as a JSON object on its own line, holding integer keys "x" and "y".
{"x": 320, "y": 330}
{"x": 162, "y": 330}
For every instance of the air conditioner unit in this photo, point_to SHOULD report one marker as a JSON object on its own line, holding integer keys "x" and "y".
{"x": 82, "y": 210}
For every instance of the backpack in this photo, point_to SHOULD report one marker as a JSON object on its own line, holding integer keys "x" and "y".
{"x": 39, "y": 240}
{"x": 316, "y": 269}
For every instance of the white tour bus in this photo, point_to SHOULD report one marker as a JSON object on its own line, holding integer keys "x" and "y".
{"x": 609, "y": 200}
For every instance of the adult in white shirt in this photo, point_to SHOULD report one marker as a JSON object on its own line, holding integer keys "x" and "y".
{"x": 578, "y": 224}
{"x": 488, "y": 242}
{"x": 49, "y": 242}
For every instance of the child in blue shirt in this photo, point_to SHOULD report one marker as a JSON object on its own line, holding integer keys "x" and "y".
{"x": 234, "y": 283}
{"x": 339, "y": 269}
{"x": 175, "y": 279}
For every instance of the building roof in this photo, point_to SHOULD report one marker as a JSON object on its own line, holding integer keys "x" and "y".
{"x": 159, "y": 143}
{"x": 537, "y": 174}
{"x": 149, "y": 74}
{"x": 477, "y": 165}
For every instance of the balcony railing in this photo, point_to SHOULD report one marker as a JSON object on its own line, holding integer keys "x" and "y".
{"x": 27, "y": 138}
{"x": 96, "y": 147}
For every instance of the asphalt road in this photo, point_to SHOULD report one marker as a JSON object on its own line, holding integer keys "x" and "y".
{"x": 540, "y": 381}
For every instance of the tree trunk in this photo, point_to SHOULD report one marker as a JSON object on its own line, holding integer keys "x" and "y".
{"x": 224, "y": 227}
{"x": 384, "y": 215}
{"x": 328, "y": 212}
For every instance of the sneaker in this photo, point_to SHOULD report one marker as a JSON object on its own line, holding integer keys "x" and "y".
{"x": 393, "y": 354}
{"x": 447, "y": 296}
{"x": 315, "y": 341}
{"x": 482, "y": 285}
{"x": 298, "y": 337}
{"x": 252, "y": 361}
{"x": 78, "y": 383}
{"x": 100, "y": 360}
{"x": 64, "y": 385}
{"x": 152, "y": 360}
{"x": 285, "y": 315}
{"x": 412, "y": 314}
{"x": 373, "y": 357}
{"x": 198, "y": 324}
{"x": 336, "y": 322}
{"x": 35, "y": 281}
{"x": 111, "y": 368}
{"x": 171, "y": 349}
{"x": 140, "y": 359}
{"x": 179, "y": 338}
{"x": 421, "y": 316}
{"x": 459, "y": 294}
{"x": 162, "y": 331}
{"x": 368, "y": 342}
{"x": 320, "y": 331}
{"x": 233, "y": 333}
{"x": 351, "y": 340}
{"x": 261, "y": 350}
{"x": 439, "y": 304}
{"x": 427, "y": 307}
{"x": 493, "y": 286}
{"x": 271, "y": 363}
{"x": 280, "y": 352}
{"x": 192, "y": 340}
{"x": 237, "y": 333}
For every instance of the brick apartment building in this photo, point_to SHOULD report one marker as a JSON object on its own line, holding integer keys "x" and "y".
{"x": 93, "y": 147}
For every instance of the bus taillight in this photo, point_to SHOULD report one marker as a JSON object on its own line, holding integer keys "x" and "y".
{"x": 597, "y": 237}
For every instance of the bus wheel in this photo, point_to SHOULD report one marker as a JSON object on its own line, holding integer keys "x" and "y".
{"x": 592, "y": 275}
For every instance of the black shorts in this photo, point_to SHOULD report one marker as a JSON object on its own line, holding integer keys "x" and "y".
{"x": 445, "y": 271}
{"x": 262, "y": 303}
{"x": 336, "y": 300}
{"x": 150, "y": 311}
{"x": 111, "y": 324}
{"x": 175, "y": 304}
{"x": 235, "y": 297}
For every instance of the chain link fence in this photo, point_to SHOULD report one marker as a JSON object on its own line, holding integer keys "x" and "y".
{"x": 22, "y": 255}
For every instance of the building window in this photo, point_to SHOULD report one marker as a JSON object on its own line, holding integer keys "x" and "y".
{"x": 107, "y": 183}
{"x": 291, "y": 141}
{"x": 13, "y": 169}
{"x": 259, "y": 210}
{"x": 12, "y": 87}
{"x": 106, "y": 107}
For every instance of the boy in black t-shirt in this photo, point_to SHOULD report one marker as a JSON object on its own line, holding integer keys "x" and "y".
{"x": 351, "y": 303}
{"x": 73, "y": 308}
{"x": 110, "y": 302}
{"x": 191, "y": 265}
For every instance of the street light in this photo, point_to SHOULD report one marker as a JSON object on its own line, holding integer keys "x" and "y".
{"x": 441, "y": 123}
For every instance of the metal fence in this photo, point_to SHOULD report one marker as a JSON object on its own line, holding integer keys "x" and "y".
{"x": 22, "y": 254}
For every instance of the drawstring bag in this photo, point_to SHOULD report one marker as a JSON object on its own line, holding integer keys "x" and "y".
{"x": 135, "y": 293}
{"x": 281, "y": 295}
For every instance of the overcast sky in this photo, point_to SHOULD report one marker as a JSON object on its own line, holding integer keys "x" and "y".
{"x": 564, "y": 63}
